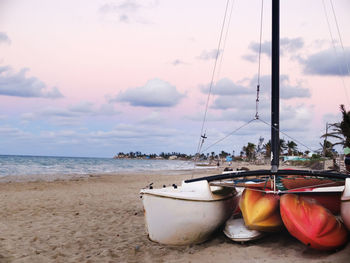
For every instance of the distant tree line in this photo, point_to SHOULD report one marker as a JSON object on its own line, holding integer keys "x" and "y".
{"x": 162, "y": 155}
{"x": 172, "y": 155}
{"x": 339, "y": 131}
{"x": 249, "y": 152}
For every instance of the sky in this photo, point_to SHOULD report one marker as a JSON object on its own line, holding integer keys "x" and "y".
{"x": 97, "y": 77}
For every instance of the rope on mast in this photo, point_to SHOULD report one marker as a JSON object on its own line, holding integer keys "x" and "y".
{"x": 259, "y": 64}
{"x": 257, "y": 102}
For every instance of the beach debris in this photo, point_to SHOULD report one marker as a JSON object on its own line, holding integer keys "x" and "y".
{"x": 137, "y": 249}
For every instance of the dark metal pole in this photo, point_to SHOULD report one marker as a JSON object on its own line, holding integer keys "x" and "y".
{"x": 275, "y": 89}
{"x": 239, "y": 174}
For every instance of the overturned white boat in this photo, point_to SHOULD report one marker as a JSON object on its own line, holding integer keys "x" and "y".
{"x": 345, "y": 204}
{"x": 236, "y": 230}
{"x": 187, "y": 214}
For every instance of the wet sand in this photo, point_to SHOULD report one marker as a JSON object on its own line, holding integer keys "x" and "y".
{"x": 100, "y": 219}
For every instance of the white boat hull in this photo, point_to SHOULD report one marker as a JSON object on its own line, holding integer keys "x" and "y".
{"x": 177, "y": 221}
{"x": 236, "y": 230}
{"x": 345, "y": 204}
{"x": 345, "y": 213}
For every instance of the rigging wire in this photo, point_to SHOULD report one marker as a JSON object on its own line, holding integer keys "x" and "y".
{"x": 201, "y": 142}
{"x": 212, "y": 78}
{"x": 249, "y": 122}
{"x": 266, "y": 123}
{"x": 335, "y": 50}
{"x": 340, "y": 38}
{"x": 203, "y": 136}
{"x": 225, "y": 39}
{"x": 223, "y": 138}
{"x": 259, "y": 64}
{"x": 290, "y": 137}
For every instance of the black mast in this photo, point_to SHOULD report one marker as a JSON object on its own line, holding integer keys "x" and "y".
{"x": 275, "y": 89}
{"x": 274, "y": 124}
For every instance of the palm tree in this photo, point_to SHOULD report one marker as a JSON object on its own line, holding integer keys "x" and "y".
{"x": 327, "y": 148}
{"x": 283, "y": 146}
{"x": 341, "y": 130}
{"x": 267, "y": 147}
{"x": 249, "y": 150}
{"x": 292, "y": 147}
{"x": 223, "y": 154}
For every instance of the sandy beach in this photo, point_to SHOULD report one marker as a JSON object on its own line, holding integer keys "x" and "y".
{"x": 100, "y": 219}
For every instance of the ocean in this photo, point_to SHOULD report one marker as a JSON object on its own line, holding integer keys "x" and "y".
{"x": 16, "y": 165}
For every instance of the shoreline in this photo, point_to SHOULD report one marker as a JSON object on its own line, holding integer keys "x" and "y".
{"x": 73, "y": 177}
{"x": 206, "y": 170}
{"x": 100, "y": 219}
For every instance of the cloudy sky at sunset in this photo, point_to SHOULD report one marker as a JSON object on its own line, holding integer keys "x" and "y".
{"x": 98, "y": 77}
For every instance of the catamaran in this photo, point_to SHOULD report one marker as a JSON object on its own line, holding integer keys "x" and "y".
{"x": 300, "y": 200}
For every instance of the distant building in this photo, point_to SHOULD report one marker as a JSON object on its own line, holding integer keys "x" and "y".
{"x": 293, "y": 158}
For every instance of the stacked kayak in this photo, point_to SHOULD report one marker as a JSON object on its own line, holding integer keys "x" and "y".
{"x": 303, "y": 216}
{"x": 260, "y": 210}
{"x": 305, "y": 205}
{"x": 311, "y": 223}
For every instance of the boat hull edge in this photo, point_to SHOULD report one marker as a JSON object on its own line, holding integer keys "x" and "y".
{"x": 174, "y": 221}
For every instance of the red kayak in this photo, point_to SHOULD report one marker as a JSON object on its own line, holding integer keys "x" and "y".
{"x": 311, "y": 223}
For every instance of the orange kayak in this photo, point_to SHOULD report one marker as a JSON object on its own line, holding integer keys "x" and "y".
{"x": 311, "y": 223}
{"x": 260, "y": 210}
